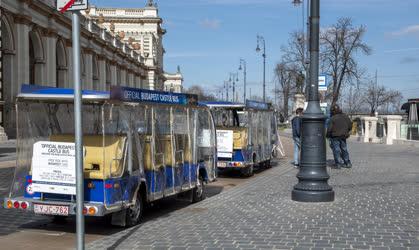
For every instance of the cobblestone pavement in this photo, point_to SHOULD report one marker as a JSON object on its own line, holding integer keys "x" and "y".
{"x": 375, "y": 208}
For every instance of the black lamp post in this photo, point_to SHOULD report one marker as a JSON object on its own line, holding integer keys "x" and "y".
{"x": 261, "y": 39}
{"x": 234, "y": 77}
{"x": 312, "y": 178}
{"x": 243, "y": 62}
{"x": 227, "y": 87}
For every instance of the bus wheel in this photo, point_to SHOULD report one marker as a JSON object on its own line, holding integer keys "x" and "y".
{"x": 198, "y": 193}
{"x": 268, "y": 164}
{"x": 248, "y": 171}
{"x": 135, "y": 212}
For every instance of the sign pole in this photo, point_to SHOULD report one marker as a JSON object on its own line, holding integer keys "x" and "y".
{"x": 78, "y": 131}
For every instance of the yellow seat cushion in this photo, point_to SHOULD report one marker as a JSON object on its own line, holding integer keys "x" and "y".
{"x": 166, "y": 142}
{"x": 147, "y": 159}
{"x": 104, "y": 156}
{"x": 239, "y": 136}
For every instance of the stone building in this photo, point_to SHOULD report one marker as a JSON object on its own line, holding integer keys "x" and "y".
{"x": 142, "y": 30}
{"x": 173, "y": 82}
{"x": 37, "y": 49}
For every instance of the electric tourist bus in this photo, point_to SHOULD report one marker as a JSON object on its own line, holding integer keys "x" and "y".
{"x": 246, "y": 135}
{"x": 139, "y": 146}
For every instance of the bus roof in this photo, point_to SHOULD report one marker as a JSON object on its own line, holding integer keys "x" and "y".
{"x": 123, "y": 94}
{"x": 249, "y": 104}
{"x": 222, "y": 104}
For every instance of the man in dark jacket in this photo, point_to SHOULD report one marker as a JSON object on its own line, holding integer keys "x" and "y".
{"x": 296, "y": 135}
{"x": 338, "y": 131}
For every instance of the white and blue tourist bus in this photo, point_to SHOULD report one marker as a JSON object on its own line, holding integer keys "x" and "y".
{"x": 246, "y": 135}
{"x": 139, "y": 146}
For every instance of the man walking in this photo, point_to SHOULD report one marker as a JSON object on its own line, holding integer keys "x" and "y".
{"x": 338, "y": 131}
{"x": 296, "y": 135}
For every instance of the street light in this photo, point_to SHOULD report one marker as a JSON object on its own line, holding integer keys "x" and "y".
{"x": 243, "y": 62}
{"x": 305, "y": 55}
{"x": 261, "y": 39}
{"x": 312, "y": 177}
{"x": 234, "y": 77}
{"x": 226, "y": 86}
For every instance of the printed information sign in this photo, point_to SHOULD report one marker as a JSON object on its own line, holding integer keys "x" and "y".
{"x": 54, "y": 168}
{"x": 224, "y": 143}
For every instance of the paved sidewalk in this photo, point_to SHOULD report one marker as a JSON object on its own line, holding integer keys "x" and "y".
{"x": 375, "y": 208}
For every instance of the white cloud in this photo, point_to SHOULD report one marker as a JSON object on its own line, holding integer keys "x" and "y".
{"x": 400, "y": 50}
{"x": 409, "y": 30}
{"x": 210, "y": 23}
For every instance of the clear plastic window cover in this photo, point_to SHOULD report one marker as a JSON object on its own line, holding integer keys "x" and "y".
{"x": 123, "y": 124}
{"x": 225, "y": 117}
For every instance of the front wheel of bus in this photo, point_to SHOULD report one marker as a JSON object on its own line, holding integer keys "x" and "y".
{"x": 199, "y": 191}
{"x": 135, "y": 212}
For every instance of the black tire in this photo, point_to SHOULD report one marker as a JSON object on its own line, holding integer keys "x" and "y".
{"x": 135, "y": 212}
{"x": 248, "y": 171}
{"x": 267, "y": 164}
{"x": 199, "y": 192}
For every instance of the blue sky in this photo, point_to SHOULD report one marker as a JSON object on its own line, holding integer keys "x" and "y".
{"x": 208, "y": 37}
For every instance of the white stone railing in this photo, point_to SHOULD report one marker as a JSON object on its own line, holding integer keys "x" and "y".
{"x": 114, "y": 12}
{"x": 391, "y": 129}
{"x": 114, "y": 40}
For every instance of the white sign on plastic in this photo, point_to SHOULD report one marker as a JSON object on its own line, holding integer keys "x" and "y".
{"x": 54, "y": 168}
{"x": 224, "y": 143}
{"x": 322, "y": 83}
{"x": 204, "y": 139}
{"x": 68, "y": 5}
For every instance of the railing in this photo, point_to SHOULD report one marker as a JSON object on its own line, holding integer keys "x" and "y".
{"x": 120, "y": 12}
{"x": 410, "y": 131}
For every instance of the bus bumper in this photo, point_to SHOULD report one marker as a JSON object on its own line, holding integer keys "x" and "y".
{"x": 61, "y": 208}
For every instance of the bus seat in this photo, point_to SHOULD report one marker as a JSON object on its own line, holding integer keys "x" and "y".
{"x": 187, "y": 153}
{"x": 98, "y": 155}
{"x": 166, "y": 142}
{"x": 148, "y": 161}
{"x": 239, "y": 138}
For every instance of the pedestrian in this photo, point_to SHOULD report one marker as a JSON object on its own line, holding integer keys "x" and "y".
{"x": 338, "y": 130}
{"x": 296, "y": 135}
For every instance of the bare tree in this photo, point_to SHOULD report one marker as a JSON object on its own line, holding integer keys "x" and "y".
{"x": 289, "y": 80}
{"x": 339, "y": 46}
{"x": 199, "y": 91}
{"x": 352, "y": 100}
{"x": 378, "y": 96}
{"x": 294, "y": 53}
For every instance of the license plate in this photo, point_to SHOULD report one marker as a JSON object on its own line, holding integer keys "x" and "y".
{"x": 221, "y": 164}
{"x": 50, "y": 209}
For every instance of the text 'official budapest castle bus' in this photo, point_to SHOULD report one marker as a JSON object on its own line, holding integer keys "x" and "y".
{"x": 246, "y": 135}
{"x": 139, "y": 146}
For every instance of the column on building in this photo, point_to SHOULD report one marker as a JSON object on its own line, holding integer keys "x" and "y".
{"x": 20, "y": 70}
{"x": 50, "y": 43}
{"x": 123, "y": 76}
{"x": 39, "y": 69}
{"x": 70, "y": 67}
{"x": 101, "y": 60}
{"x": 88, "y": 62}
{"x": 137, "y": 80}
{"x": 113, "y": 74}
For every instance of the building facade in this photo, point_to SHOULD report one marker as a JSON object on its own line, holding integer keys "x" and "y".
{"x": 174, "y": 82}
{"x": 142, "y": 30}
{"x": 37, "y": 49}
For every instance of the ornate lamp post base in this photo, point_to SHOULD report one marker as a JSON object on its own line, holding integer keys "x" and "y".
{"x": 312, "y": 178}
